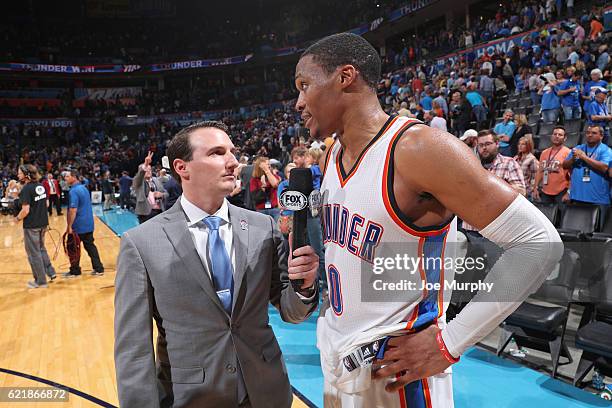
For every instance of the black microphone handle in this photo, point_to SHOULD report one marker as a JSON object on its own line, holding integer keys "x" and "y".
{"x": 300, "y": 238}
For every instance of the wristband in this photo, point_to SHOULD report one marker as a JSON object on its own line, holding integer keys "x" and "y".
{"x": 448, "y": 356}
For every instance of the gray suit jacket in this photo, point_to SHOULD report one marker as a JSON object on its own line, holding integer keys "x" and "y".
{"x": 201, "y": 350}
{"x": 141, "y": 189}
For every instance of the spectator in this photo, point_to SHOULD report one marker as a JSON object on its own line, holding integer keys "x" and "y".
{"x": 552, "y": 178}
{"x": 174, "y": 190}
{"x": 52, "y": 188}
{"x": 503, "y": 167}
{"x": 506, "y": 168}
{"x": 459, "y": 113}
{"x": 590, "y": 87}
{"x": 125, "y": 183}
{"x": 504, "y": 131}
{"x": 598, "y": 115}
{"x": 150, "y": 193}
{"x": 485, "y": 86}
{"x": 263, "y": 188}
{"x": 589, "y": 164}
{"x": 478, "y": 104}
{"x": 528, "y": 163}
{"x": 433, "y": 120}
{"x": 107, "y": 190}
{"x": 470, "y": 138}
{"x": 570, "y": 90}
{"x": 522, "y": 129}
{"x": 80, "y": 221}
{"x": 550, "y": 99}
{"x": 604, "y": 58}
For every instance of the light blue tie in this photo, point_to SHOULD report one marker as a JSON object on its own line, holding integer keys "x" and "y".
{"x": 222, "y": 276}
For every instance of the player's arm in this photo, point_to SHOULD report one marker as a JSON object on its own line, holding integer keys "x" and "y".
{"x": 450, "y": 172}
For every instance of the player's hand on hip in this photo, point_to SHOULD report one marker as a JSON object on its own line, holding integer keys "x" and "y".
{"x": 410, "y": 358}
{"x": 303, "y": 263}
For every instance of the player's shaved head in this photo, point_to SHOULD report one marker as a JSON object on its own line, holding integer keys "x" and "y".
{"x": 347, "y": 49}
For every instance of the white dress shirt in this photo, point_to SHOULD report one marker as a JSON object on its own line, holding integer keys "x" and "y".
{"x": 199, "y": 232}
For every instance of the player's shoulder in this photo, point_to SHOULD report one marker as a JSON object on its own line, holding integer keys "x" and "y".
{"x": 420, "y": 140}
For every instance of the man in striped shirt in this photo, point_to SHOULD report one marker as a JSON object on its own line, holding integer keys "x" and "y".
{"x": 506, "y": 168}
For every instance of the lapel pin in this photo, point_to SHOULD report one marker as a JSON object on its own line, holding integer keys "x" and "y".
{"x": 244, "y": 225}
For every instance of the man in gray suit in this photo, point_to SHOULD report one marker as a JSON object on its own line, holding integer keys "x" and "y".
{"x": 206, "y": 281}
{"x": 150, "y": 192}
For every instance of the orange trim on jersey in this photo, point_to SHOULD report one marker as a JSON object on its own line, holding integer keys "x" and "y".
{"x": 328, "y": 155}
{"x": 441, "y": 291}
{"x": 402, "y": 394}
{"x": 415, "y": 313}
{"x": 361, "y": 156}
{"x": 426, "y": 393}
{"x": 394, "y": 216}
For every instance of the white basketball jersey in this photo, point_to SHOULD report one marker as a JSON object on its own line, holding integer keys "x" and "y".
{"x": 361, "y": 222}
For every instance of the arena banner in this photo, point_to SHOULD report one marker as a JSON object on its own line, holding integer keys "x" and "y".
{"x": 69, "y": 69}
{"x": 411, "y": 7}
{"x": 54, "y": 122}
{"x": 107, "y": 94}
{"x": 502, "y": 45}
{"x": 196, "y": 64}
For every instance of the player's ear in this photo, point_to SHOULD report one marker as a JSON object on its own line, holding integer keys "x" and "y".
{"x": 348, "y": 75}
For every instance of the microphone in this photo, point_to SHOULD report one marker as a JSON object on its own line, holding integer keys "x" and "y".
{"x": 296, "y": 198}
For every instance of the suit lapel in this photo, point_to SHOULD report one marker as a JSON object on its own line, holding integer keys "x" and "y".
{"x": 240, "y": 235}
{"x": 178, "y": 233}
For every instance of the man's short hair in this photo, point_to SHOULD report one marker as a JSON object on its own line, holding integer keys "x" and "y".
{"x": 508, "y": 110}
{"x": 487, "y": 132}
{"x": 560, "y": 127}
{"x": 180, "y": 146}
{"x": 346, "y": 48}
{"x": 74, "y": 173}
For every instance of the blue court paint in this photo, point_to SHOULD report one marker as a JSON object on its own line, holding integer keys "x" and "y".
{"x": 116, "y": 219}
{"x": 480, "y": 379}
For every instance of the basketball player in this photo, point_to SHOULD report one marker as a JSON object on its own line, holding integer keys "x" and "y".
{"x": 394, "y": 180}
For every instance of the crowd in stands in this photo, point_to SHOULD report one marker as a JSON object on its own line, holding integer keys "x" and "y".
{"x": 558, "y": 75}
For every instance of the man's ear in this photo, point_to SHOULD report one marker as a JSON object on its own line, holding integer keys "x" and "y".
{"x": 348, "y": 75}
{"x": 180, "y": 166}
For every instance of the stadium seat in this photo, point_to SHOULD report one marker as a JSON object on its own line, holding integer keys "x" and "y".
{"x": 573, "y": 139}
{"x": 595, "y": 338}
{"x": 606, "y": 231}
{"x": 573, "y": 126}
{"x": 577, "y": 221}
{"x": 521, "y": 110}
{"x": 551, "y": 211}
{"x": 546, "y": 129}
{"x": 542, "y": 327}
{"x": 544, "y": 142}
{"x": 525, "y": 101}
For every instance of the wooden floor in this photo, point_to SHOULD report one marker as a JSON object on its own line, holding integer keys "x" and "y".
{"x": 63, "y": 334}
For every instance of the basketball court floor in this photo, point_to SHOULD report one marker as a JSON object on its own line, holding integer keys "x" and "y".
{"x": 63, "y": 336}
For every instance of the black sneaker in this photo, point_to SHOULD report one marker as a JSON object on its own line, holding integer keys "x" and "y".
{"x": 52, "y": 278}
{"x": 97, "y": 273}
{"x": 70, "y": 275}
